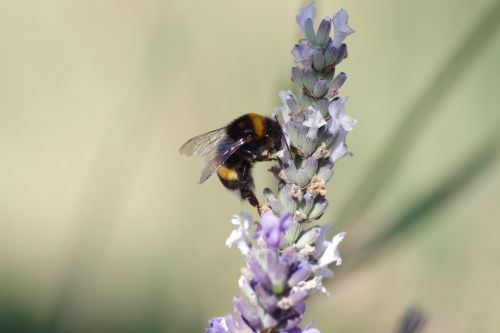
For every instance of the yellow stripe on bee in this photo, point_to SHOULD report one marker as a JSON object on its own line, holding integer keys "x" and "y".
{"x": 258, "y": 123}
{"x": 227, "y": 173}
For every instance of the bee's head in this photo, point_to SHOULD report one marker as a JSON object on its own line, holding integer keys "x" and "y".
{"x": 274, "y": 135}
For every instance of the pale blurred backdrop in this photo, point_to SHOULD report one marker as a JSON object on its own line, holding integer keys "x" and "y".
{"x": 103, "y": 227}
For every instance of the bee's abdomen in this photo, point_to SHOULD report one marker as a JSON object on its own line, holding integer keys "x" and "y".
{"x": 235, "y": 176}
{"x": 227, "y": 173}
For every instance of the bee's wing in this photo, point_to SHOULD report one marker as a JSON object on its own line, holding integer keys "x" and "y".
{"x": 226, "y": 148}
{"x": 203, "y": 144}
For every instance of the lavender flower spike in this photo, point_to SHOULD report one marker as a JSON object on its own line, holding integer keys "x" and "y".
{"x": 286, "y": 259}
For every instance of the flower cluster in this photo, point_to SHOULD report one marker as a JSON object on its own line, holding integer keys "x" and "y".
{"x": 317, "y": 125}
{"x": 286, "y": 258}
{"x": 278, "y": 276}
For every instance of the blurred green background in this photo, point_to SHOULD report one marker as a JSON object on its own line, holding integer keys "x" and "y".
{"x": 104, "y": 229}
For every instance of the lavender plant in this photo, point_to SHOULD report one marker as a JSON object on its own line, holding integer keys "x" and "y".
{"x": 287, "y": 258}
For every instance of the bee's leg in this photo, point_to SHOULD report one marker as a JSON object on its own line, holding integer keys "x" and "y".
{"x": 247, "y": 194}
{"x": 247, "y": 186}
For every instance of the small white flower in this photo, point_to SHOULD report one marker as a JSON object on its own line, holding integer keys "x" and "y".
{"x": 339, "y": 148}
{"x": 324, "y": 272}
{"x": 331, "y": 254}
{"x": 341, "y": 29}
{"x": 234, "y": 237}
{"x": 336, "y": 109}
{"x": 305, "y": 12}
{"x": 314, "y": 120}
{"x": 241, "y": 235}
{"x": 333, "y": 126}
{"x": 286, "y": 97}
{"x": 303, "y": 53}
{"x": 312, "y": 285}
{"x": 321, "y": 242}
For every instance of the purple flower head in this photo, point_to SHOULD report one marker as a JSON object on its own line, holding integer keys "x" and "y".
{"x": 273, "y": 228}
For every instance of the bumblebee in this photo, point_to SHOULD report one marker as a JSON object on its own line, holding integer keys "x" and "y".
{"x": 231, "y": 151}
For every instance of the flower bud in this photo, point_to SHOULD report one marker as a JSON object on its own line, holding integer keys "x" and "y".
{"x": 323, "y": 35}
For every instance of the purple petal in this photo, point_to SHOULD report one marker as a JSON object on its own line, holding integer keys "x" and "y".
{"x": 299, "y": 275}
{"x": 289, "y": 256}
{"x": 285, "y": 220}
{"x": 273, "y": 228}
{"x": 300, "y": 308}
{"x": 242, "y": 325}
{"x": 259, "y": 274}
{"x": 266, "y": 300}
{"x": 248, "y": 313}
{"x": 292, "y": 317}
{"x": 298, "y": 297}
{"x": 293, "y": 321}
{"x": 277, "y": 270}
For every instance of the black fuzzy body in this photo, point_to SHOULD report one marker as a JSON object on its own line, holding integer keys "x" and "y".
{"x": 263, "y": 137}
